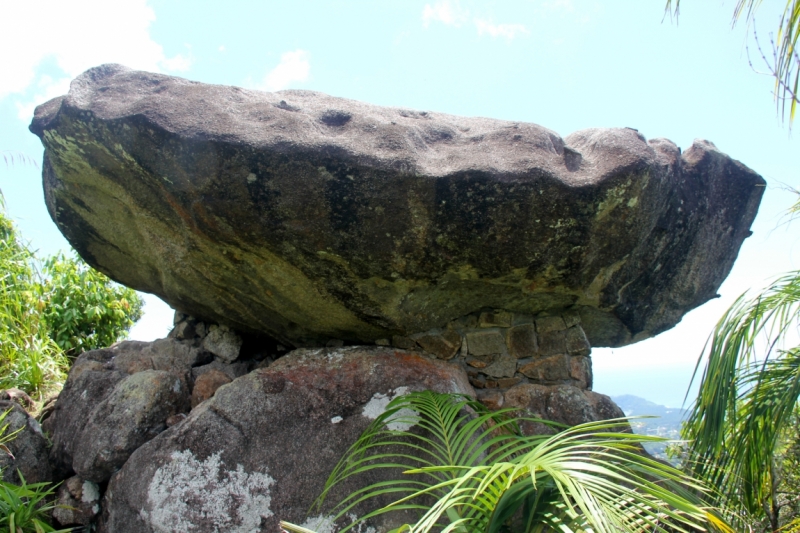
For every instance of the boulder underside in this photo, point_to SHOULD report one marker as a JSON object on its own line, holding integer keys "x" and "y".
{"x": 310, "y": 218}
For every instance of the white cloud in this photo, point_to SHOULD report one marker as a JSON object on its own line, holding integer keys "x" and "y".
{"x": 448, "y": 12}
{"x": 72, "y": 37}
{"x": 509, "y": 31}
{"x": 294, "y": 67}
{"x": 177, "y": 63}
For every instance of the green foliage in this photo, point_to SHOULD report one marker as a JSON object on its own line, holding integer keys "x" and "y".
{"x": 84, "y": 309}
{"x": 747, "y": 401}
{"x": 23, "y": 508}
{"x": 472, "y": 470}
{"x": 29, "y": 359}
{"x": 49, "y": 313}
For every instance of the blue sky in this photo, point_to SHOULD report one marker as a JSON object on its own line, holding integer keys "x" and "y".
{"x": 564, "y": 64}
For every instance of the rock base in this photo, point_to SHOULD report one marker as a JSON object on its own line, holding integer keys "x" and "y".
{"x": 210, "y": 430}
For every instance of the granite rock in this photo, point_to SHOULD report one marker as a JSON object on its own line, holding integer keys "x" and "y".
{"x": 262, "y": 447}
{"x": 308, "y": 217}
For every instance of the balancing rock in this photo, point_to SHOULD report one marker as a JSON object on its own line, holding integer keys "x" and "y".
{"x": 310, "y": 218}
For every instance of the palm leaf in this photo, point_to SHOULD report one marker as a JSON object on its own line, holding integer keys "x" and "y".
{"x": 480, "y": 471}
{"x": 748, "y": 392}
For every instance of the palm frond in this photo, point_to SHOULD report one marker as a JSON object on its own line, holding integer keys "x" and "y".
{"x": 748, "y": 392}
{"x": 471, "y": 470}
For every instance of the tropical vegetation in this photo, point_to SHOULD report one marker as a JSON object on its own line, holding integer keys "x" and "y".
{"x": 742, "y": 431}
{"x": 463, "y": 468}
{"x": 744, "y": 419}
{"x": 50, "y": 311}
{"x": 24, "y": 508}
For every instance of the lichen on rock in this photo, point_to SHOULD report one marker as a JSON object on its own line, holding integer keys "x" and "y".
{"x": 188, "y": 494}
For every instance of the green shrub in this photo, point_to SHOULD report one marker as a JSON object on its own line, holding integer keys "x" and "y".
{"x": 84, "y": 309}
{"x": 51, "y": 310}
{"x": 29, "y": 359}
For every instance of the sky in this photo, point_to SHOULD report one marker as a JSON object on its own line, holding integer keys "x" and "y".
{"x": 564, "y": 64}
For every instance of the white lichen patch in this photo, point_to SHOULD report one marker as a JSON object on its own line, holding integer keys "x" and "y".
{"x": 188, "y": 495}
{"x": 90, "y": 492}
{"x": 336, "y": 419}
{"x": 320, "y": 524}
{"x": 325, "y": 524}
{"x": 376, "y": 406}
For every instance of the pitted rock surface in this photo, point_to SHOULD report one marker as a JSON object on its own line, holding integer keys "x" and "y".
{"x": 262, "y": 447}
{"x": 310, "y": 218}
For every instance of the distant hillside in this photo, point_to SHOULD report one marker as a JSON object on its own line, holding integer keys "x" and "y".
{"x": 667, "y": 425}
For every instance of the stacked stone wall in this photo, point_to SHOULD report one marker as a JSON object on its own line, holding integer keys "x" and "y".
{"x": 500, "y": 349}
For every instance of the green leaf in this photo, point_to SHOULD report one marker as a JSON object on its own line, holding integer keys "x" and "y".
{"x": 481, "y": 471}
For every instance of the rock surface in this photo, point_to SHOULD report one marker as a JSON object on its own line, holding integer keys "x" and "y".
{"x": 78, "y": 502}
{"x": 313, "y": 218}
{"x": 261, "y": 449}
{"x": 28, "y": 450}
{"x": 564, "y": 404}
{"x": 115, "y": 400}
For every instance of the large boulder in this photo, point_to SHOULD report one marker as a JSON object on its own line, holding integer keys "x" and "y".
{"x": 261, "y": 449}
{"x": 115, "y": 400}
{"x": 310, "y": 218}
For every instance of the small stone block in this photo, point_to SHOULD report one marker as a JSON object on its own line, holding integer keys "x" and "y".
{"x": 571, "y": 318}
{"x": 522, "y": 341}
{"x": 507, "y": 383}
{"x": 383, "y": 342}
{"x": 444, "y": 346}
{"x": 522, "y": 319}
{"x": 485, "y": 343}
{"x": 580, "y": 369}
{"x": 223, "y": 342}
{"x": 207, "y": 384}
{"x": 477, "y": 363}
{"x": 497, "y": 319}
{"x": 555, "y": 368}
{"x": 577, "y": 343}
{"x": 78, "y": 502}
{"x": 477, "y": 382}
{"x": 493, "y": 399}
{"x": 404, "y": 343}
{"x": 552, "y": 343}
{"x": 183, "y": 330}
{"x": 491, "y": 384}
{"x": 178, "y": 317}
{"x": 550, "y": 323}
{"x": 504, "y": 367}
